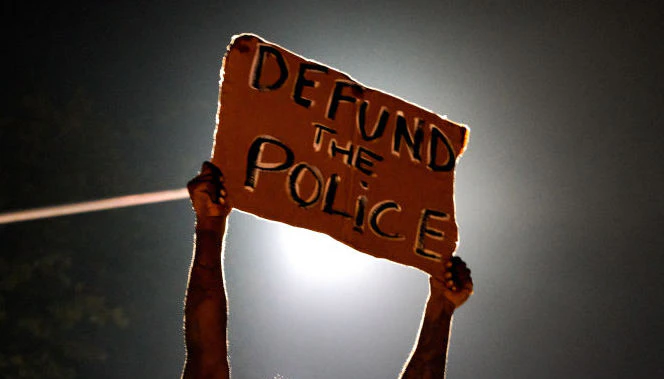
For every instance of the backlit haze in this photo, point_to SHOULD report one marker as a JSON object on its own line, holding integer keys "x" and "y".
{"x": 558, "y": 196}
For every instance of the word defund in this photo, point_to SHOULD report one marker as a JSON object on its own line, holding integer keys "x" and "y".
{"x": 429, "y": 146}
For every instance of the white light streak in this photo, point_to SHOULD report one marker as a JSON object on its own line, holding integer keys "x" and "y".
{"x": 96, "y": 205}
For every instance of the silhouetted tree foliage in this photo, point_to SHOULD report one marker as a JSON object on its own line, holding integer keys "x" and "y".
{"x": 54, "y": 309}
{"x": 95, "y": 295}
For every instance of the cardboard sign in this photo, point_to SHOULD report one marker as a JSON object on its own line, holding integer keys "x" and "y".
{"x": 301, "y": 143}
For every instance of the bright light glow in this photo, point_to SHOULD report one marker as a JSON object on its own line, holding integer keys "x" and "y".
{"x": 319, "y": 257}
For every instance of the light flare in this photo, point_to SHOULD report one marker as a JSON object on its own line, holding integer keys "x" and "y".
{"x": 320, "y": 257}
{"x": 95, "y": 205}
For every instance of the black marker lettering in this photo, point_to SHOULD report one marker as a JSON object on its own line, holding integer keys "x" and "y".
{"x": 337, "y": 96}
{"x": 379, "y": 128}
{"x": 254, "y": 162}
{"x": 360, "y": 205}
{"x": 412, "y": 142}
{"x": 301, "y": 82}
{"x": 259, "y": 61}
{"x": 294, "y": 179}
{"x": 425, "y": 230}
{"x": 318, "y": 137}
{"x": 376, "y": 214}
{"x": 347, "y": 152}
{"x": 436, "y": 135}
{"x": 361, "y": 161}
{"x": 330, "y": 193}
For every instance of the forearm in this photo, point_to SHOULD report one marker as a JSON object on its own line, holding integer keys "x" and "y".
{"x": 429, "y": 358}
{"x": 205, "y": 305}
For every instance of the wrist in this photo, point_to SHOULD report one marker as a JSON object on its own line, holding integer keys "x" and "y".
{"x": 214, "y": 224}
{"x": 438, "y": 296}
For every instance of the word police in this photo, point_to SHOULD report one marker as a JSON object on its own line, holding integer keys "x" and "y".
{"x": 426, "y": 145}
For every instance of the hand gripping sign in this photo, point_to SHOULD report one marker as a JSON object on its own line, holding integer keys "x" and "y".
{"x": 304, "y": 144}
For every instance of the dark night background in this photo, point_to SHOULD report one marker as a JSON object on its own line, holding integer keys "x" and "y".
{"x": 559, "y": 196}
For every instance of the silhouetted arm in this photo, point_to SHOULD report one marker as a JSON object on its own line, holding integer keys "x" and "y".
{"x": 205, "y": 303}
{"x": 429, "y": 358}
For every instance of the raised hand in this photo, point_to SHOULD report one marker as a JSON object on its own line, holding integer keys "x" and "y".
{"x": 208, "y": 194}
{"x": 458, "y": 285}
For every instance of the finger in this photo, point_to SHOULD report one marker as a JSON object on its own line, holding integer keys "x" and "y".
{"x": 462, "y": 278}
{"x": 467, "y": 287}
{"x": 464, "y": 283}
{"x": 196, "y": 185}
{"x": 462, "y": 274}
{"x": 222, "y": 195}
{"x": 212, "y": 195}
{"x": 458, "y": 265}
{"x": 452, "y": 264}
{"x": 207, "y": 177}
{"x": 209, "y": 167}
{"x": 202, "y": 178}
